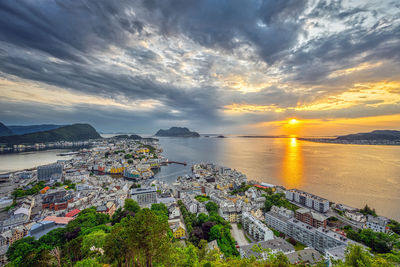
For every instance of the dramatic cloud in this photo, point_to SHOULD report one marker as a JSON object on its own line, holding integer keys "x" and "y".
{"x": 210, "y": 65}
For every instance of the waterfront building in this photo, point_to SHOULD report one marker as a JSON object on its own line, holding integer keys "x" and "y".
{"x": 308, "y": 200}
{"x": 51, "y": 172}
{"x": 377, "y": 224}
{"x": 311, "y": 218}
{"x": 144, "y": 196}
{"x": 255, "y": 228}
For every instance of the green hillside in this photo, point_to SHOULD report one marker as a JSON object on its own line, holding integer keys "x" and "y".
{"x": 75, "y": 132}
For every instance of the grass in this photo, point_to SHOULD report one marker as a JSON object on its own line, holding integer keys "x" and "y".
{"x": 247, "y": 238}
{"x": 201, "y": 198}
{"x": 299, "y": 246}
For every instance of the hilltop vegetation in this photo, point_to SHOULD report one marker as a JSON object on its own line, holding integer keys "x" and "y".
{"x": 141, "y": 237}
{"x": 177, "y": 132}
{"x": 75, "y": 132}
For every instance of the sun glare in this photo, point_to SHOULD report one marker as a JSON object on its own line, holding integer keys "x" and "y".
{"x": 293, "y": 121}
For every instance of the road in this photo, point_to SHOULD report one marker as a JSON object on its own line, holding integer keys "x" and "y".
{"x": 238, "y": 235}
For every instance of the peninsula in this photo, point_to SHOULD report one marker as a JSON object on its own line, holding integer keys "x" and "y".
{"x": 377, "y": 137}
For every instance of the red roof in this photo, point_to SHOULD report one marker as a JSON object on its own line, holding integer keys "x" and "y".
{"x": 72, "y": 213}
{"x": 260, "y": 186}
{"x": 46, "y": 188}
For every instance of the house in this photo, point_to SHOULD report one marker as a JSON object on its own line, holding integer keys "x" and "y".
{"x": 177, "y": 227}
{"x": 109, "y": 208}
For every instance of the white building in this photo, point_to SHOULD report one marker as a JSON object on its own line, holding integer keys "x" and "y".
{"x": 377, "y": 224}
{"x": 308, "y": 200}
{"x": 255, "y": 228}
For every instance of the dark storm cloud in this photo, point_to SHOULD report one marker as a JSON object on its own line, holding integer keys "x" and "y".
{"x": 66, "y": 29}
{"x": 67, "y": 44}
{"x": 270, "y": 26}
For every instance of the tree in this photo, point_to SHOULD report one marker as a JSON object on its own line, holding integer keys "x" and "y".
{"x": 160, "y": 209}
{"x": 154, "y": 242}
{"x": 131, "y": 205}
{"x": 93, "y": 241}
{"x": 211, "y": 207}
{"x": 268, "y": 205}
{"x": 88, "y": 263}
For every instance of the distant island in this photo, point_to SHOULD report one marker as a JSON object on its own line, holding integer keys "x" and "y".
{"x": 75, "y": 132}
{"x": 377, "y": 137}
{"x": 177, "y": 132}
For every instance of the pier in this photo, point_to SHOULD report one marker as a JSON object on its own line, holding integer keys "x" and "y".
{"x": 175, "y": 162}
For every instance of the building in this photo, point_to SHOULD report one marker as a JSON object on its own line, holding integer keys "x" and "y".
{"x": 73, "y": 213}
{"x": 14, "y": 221}
{"x": 178, "y": 228}
{"x": 311, "y": 218}
{"x": 308, "y": 200}
{"x": 377, "y": 224}
{"x": 8, "y": 237}
{"x": 51, "y": 172}
{"x": 307, "y": 256}
{"x": 319, "y": 238}
{"x": 277, "y": 219}
{"x": 355, "y": 216}
{"x": 144, "y": 196}
{"x": 255, "y": 228}
{"x": 109, "y": 208}
{"x": 3, "y": 257}
{"x": 58, "y": 200}
{"x": 5, "y": 202}
{"x": 301, "y": 232}
{"x": 270, "y": 246}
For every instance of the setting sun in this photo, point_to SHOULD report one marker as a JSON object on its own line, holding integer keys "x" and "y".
{"x": 293, "y": 121}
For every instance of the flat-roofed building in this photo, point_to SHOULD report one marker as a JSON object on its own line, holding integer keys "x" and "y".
{"x": 308, "y": 200}
{"x": 50, "y": 172}
{"x": 144, "y": 196}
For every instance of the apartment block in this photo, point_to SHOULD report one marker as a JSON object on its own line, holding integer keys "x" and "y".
{"x": 308, "y": 200}
{"x": 255, "y": 228}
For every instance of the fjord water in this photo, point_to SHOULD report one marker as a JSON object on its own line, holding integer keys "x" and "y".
{"x": 10, "y": 162}
{"x": 350, "y": 174}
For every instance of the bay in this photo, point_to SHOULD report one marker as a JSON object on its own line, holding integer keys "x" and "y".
{"x": 354, "y": 175}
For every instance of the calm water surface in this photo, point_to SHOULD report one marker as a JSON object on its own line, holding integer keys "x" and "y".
{"x": 26, "y": 160}
{"x": 350, "y": 174}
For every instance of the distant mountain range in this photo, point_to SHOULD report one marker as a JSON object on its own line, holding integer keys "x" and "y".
{"x": 19, "y": 129}
{"x": 177, "y": 132}
{"x": 74, "y": 132}
{"x": 377, "y": 137}
{"x": 374, "y": 135}
{"x": 16, "y": 129}
{"x": 4, "y": 130}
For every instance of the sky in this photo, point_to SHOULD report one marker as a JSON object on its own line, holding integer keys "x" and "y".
{"x": 214, "y": 66}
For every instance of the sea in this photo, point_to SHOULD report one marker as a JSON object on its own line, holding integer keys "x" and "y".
{"x": 354, "y": 175}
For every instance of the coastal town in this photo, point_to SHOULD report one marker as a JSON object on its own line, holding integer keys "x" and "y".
{"x": 304, "y": 227}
